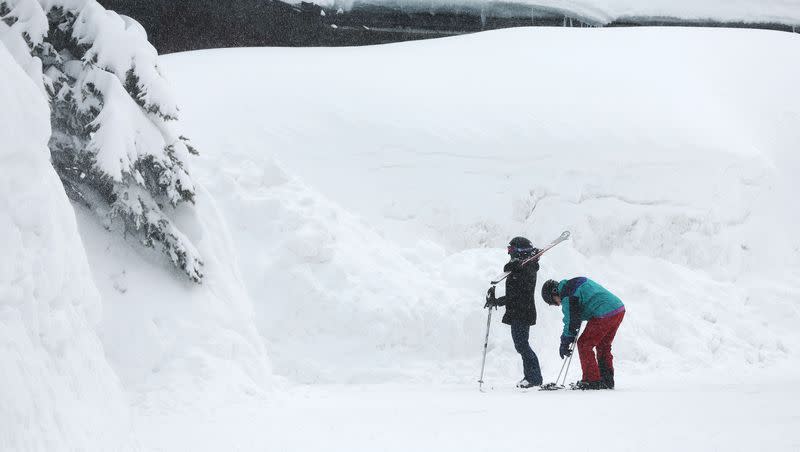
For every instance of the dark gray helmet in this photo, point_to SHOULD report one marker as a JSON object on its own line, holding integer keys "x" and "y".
{"x": 549, "y": 288}
{"x": 520, "y": 247}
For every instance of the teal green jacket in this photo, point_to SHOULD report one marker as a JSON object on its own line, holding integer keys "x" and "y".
{"x": 583, "y": 299}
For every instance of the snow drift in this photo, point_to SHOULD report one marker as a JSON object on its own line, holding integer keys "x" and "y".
{"x": 59, "y": 393}
{"x": 669, "y": 153}
{"x": 334, "y": 299}
{"x": 190, "y": 355}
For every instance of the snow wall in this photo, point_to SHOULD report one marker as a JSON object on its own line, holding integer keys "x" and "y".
{"x": 101, "y": 338}
{"x": 404, "y": 169}
{"x": 187, "y": 353}
{"x": 58, "y": 390}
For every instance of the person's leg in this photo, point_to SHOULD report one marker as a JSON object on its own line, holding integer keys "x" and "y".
{"x": 605, "y": 359}
{"x": 520, "y": 333}
{"x": 535, "y": 376}
{"x": 591, "y": 336}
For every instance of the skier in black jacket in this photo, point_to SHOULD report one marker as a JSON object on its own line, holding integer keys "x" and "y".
{"x": 520, "y": 309}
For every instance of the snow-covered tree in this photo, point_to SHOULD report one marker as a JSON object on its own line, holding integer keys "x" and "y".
{"x": 115, "y": 142}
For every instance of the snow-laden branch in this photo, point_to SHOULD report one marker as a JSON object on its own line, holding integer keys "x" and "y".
{"x": 116, "y": 143}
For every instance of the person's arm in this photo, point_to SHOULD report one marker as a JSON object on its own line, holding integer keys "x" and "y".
{"x": 510, "y": 297}
{"x": 572, "y": 316}
{"x": 572, "y": 323}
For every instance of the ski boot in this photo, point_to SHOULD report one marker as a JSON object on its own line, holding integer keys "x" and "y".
{"x": 607, "y": 375}
{"x": 588, "y": 385}
{"x": 525, "y": 384}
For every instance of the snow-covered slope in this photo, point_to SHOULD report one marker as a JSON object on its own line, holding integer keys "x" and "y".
{"x": 404, "y": 169}
{"x": 58, "y": 391}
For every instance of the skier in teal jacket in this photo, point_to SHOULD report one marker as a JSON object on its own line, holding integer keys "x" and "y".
{"x": 583, "y": 299}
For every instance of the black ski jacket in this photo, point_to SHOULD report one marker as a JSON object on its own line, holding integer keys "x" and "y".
{"x": 520, "y": 287}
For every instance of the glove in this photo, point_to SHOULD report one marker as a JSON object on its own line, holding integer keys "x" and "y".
{"x": 491, "y": 301}
{"x": 564, "y": 350}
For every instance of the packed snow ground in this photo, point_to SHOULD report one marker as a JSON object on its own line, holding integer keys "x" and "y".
{"x": 701, "y": 416}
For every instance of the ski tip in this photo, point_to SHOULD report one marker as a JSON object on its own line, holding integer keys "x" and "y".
{"x": 565, "y": 234}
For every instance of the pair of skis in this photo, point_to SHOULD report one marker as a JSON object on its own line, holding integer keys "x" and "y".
{"x": 564, "y": 236}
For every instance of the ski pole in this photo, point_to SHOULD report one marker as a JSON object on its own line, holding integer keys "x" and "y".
{"x": 563, "y": 363}
{"x": 485, "y": 346}
{"x": 569, "y": 361}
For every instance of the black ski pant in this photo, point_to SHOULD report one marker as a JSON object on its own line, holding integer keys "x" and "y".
{"x": 520, "y": 332}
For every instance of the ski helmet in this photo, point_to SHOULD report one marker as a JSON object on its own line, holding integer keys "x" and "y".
{"x": 549, "y": 289}
{"x": 519, "y": 247}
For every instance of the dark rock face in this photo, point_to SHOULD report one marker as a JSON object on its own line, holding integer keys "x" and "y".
{"x": 676, "y": 22}
{"x": 180, "y": 25}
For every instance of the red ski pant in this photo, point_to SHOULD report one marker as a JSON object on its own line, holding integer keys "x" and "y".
{"x": 599, "y": 333}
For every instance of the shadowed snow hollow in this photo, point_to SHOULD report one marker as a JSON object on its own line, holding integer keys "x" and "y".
{"x": 669, "y": 153}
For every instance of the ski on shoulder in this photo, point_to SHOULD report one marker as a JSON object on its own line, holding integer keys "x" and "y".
{"x": 564, "y": 236}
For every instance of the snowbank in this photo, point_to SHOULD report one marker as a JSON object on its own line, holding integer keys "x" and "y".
{"x": 669, "y": 153}
{"x": 177, "y": 325}
{"x": 58, "y": 391}
{"x": 334, "y": 299}
{"x": 189, "y": 355}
